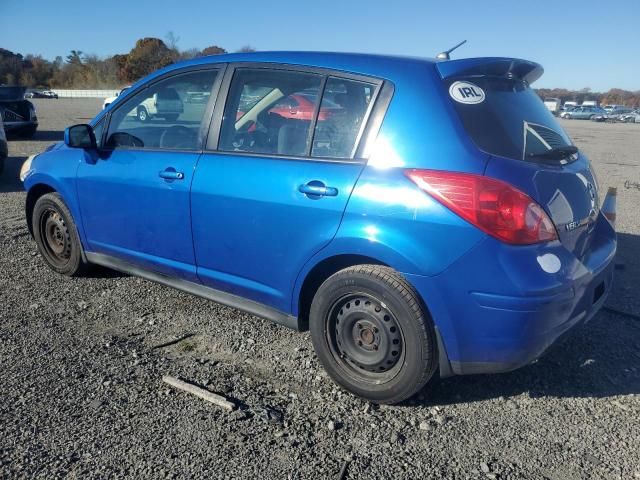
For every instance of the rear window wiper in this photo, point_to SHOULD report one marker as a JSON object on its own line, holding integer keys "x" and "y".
{"x": 558, "y": 153}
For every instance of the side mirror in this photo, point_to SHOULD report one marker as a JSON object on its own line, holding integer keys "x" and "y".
{"x": 80, "y": 136}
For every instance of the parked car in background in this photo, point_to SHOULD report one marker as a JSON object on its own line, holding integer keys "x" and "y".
{"x": 18, "y": 115}
{"x": 109, "y": 100}
{"x": 610, "y": 107}
{"x": 569, "y": 105}
{"x": 566, "y": 110}
{"x": 584, "y": 113}
{"x": 165, "y": 103}
{"x": 554, "y": 105}
{"x": 612, "y": 115}
{"x": 589, "y": 103}
{"x": 4, "y": 149}
{"x": 631, "y": 117}
{"x": 41, "y": 94}
{"x": 467, "y": 247}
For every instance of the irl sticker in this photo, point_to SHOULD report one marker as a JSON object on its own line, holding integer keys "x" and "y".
{"x": 466, "y": 92}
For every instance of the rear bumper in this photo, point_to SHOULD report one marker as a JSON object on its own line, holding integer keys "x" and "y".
{"x": 496, "y": 309}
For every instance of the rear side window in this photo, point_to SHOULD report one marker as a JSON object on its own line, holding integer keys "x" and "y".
{"x": 504, "y": 117}
{"x": 342, "y": 112}
{"x": 270, "y": 112}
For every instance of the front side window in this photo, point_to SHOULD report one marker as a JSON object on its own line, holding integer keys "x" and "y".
{"x": 270, "y": 112}
{"x": 343, "y": 109}
{"x": 161, "y": 116}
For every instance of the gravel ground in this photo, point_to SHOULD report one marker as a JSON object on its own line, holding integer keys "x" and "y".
{"x": 81, "y": 392}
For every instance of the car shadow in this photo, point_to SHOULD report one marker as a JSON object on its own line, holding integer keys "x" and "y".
{"x": 49, "y": 135}
{"x": 100, "y": 272}
{"x": 40, "y": 135}
{"x": 598, "y": 359}
{"x": 10, "y": 178}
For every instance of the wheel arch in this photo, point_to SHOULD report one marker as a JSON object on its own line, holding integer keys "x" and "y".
{"x": 33, "y": 194}
{"x": 319, "y": 273}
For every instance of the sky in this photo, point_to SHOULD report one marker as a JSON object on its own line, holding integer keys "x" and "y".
{"x": 580, "y": 43}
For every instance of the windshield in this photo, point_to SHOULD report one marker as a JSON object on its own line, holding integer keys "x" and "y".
{"x": 505, "y": 117}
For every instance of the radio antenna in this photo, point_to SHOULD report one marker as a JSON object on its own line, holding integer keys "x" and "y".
{"x": 445, "y": 55}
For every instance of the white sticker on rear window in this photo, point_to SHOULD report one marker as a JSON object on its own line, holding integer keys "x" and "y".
{"x": 466, "y": 92}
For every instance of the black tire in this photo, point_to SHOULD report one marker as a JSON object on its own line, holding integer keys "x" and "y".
{"x": 142, "y": 114}
{"x": 171, "y": 118}
{"x": 56, "y": 236}
{"x": 372, "y": 334}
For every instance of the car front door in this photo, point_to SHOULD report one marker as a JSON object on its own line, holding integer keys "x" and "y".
{"x": 134, "y": 194}
{"x": 272, "y": 189}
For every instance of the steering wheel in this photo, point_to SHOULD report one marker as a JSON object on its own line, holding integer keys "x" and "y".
{"x": 177, "y": 136}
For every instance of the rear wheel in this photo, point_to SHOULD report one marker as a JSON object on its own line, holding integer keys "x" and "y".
{"x": 372, "y": 334}
{"x": 56, "y": 236}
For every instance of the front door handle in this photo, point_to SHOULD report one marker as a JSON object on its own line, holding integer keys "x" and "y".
{"x": 317, "y": 189}
{"x": 171, "y": 174}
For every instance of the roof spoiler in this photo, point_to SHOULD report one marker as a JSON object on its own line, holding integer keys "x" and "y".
{"x": 494, "y": 67}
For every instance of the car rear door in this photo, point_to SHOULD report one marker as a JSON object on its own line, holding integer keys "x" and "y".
{"x": 270, "y": 190}
{"x": 134, "y": 193}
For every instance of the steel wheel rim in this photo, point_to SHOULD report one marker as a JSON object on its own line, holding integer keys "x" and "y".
{"x": 365, "y": 338}
{"x": 55, "y": 237}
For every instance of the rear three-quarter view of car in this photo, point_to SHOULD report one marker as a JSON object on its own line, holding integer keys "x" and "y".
{"x": 420, "y": 217}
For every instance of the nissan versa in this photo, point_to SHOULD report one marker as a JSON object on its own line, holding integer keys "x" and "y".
{"x": 419, "y": 216}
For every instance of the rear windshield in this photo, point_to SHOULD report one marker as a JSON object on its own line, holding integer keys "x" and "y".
{"x": 505, "y": 117}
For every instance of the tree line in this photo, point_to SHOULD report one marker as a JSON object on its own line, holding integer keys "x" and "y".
{"x": 81, "y": 70}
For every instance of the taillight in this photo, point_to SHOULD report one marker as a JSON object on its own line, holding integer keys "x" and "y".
{"x": 491, "y": 205}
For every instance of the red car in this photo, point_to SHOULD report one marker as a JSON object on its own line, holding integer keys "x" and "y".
{"x": 301, "y": 106}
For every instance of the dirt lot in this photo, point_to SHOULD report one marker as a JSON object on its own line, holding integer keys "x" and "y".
{"x": 81, "y": 392}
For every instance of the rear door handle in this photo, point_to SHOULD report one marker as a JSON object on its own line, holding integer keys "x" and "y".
{"x": 316, "y": 189}
{"x": 171, "y": 174}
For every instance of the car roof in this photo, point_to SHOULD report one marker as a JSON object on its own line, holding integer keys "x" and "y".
{"x": 377, "y": 65}
{"x": 359, "y": 63}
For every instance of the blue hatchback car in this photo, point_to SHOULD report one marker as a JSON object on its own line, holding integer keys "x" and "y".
{"x": 419, "y": 216}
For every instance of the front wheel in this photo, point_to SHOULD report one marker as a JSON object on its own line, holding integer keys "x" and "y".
{"x": 372, "y": 334}
{"x": 56, "y": 236}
